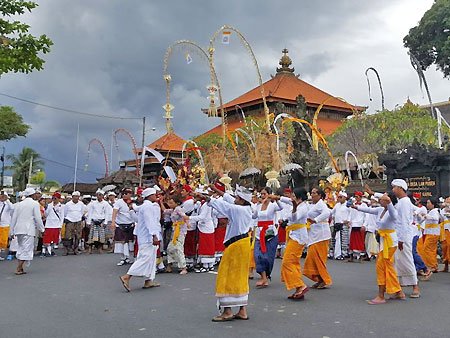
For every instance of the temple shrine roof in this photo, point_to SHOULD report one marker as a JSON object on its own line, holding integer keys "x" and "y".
{"x": 285, "y": 87}
{"x": 167, "y": 142}
{"x": 326, "y": 126}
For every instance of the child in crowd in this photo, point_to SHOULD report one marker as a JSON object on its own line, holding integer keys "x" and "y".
{"x": 175, "y": 249}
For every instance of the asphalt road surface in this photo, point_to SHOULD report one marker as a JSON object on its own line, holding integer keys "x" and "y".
{"x": 82, "y": 296}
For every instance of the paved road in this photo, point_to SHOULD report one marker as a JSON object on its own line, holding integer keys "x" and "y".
{"x": 81, "y": 296}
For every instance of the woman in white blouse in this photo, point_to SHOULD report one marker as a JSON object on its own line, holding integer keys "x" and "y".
{"x": 432, "y": 234}
{"x": 315, "y": 267}
{"x": 266, "y": 237}
{"x": 296, "y": 240}
{"x": 387, "y": 280}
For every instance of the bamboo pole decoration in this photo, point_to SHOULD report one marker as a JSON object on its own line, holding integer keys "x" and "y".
{"x": 319, "y": 135}
{"x": 255, "y": 62}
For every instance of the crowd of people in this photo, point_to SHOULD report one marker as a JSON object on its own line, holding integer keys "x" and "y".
{"x": 240, "y": 231}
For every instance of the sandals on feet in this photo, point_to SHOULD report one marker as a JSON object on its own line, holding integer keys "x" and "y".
{"x": 125, "y": 284}
{"x": 375, "y": 302}
{"x": 240, "y": 318}
{"x": 222, "y": 319}
{"x": 153, "y": 285}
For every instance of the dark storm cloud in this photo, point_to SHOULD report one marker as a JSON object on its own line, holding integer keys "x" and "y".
{"x": 108, "y": 55}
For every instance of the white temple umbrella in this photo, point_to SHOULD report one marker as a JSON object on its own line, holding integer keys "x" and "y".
{"x": 108, "y": 187}
{"x": 249, "y": 172}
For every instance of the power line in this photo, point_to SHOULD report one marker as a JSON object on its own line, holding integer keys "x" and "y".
{"x": 70, "y": 110}
{"x": 68, "y": 166}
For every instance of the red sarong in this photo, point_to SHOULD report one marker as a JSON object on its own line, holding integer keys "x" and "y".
{"x": 190, "y": 244}
{"x": 51, "y": 235}
{"x": 281, "y": 235}
{"x": 357, "y": 239}
{"x": 206, "y": 246}
{"x": 219, "y": 237}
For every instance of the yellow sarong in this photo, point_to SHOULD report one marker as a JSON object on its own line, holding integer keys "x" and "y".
{"x": 291, "y": 270}
{"x": 446, "y": 247}
{"x": 232, "y": 277}
{"x": 315, "y": 267}
{"x": 430, "y": 250}
{"x": 293, "y": 227}
{"x": 387, "y": 241}
{"x": 4, "y": 234}
{"x": 386, "y": 274}
{"x": 442, "y": 234}
{"x": 176, "y": 232}
{"x": 252, "y": 251}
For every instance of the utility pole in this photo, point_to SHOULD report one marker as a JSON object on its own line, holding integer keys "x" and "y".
{"x": 30, "y": 171}
{"x": 3, "y": 167}
{"x": 76, "y": 160}
{"x": 142, "y": 149}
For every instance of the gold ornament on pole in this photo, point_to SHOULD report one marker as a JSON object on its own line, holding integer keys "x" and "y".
{"x": 213, "y": 76}
{"x": 212, "y": 109}
{"x": 168, "y": 107}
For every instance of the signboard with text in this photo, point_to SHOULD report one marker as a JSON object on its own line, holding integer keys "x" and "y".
{"x": 425, "y": 184}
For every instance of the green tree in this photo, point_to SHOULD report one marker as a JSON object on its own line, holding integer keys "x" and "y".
{"x": 429, "y": 41}
{"x": 48, "y": 185}
{"x": 21, "y": 166}
{"x": 11, "y": 124}
{"x": 38, "y": 178}
{"x": 19, "y": 50}
{"x": 400, "y": 128}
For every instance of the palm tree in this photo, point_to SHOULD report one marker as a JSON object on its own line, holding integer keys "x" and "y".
{"x": 21, "y": 166}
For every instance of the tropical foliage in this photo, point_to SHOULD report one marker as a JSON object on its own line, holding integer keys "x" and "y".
{"x": 397, "y": 129}
{"x": 430, "y": 40}
{"x": 19, "y": 50}
{"x": 20, "y": 165}
{"x": 11, "y": 124}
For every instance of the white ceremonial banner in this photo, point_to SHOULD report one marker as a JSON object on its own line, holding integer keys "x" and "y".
{"x": 170, "y": 173}
{"x": 226, "y": 37}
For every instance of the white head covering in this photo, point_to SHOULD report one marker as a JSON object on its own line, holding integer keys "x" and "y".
{"x": 365, "y": 200}
{"x": 86, "y": 196}
{"x": 343, "y": 193}
{"x": 46, "y": 196}
{"x": 76, "y": 193}
{"x": 244, "y": 193}
{"x": 156, "y": 188}
{"x": 28, "y": 192}
{"x": 147, "y": 192}
{"x": 100, "y": 191}
{"x": 378, "y": 195}
{"x": 400, "y": 183}
{"x": 111, "y": 193}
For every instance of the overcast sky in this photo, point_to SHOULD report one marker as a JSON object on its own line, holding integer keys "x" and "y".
{"x": 108, "y": 56}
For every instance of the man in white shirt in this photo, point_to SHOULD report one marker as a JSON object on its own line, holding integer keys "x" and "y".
{"x": 404, "y": 260}
{"x": 122, "y": 222}
{"x": 6, "y": 210}
{"x": 358, "y": 231}
{"x": 148, "y": 235}
{"x": 339, "y": 237}
{"x": 190, "y": 242}
{"x": 205, "y": 225}
{"x": 54, "y": 214}
{"x": 26, "y": 218}
{"x": 73, "y": 215}
{"x": 109, "y": 233}
{"x": 98, "y": 211}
